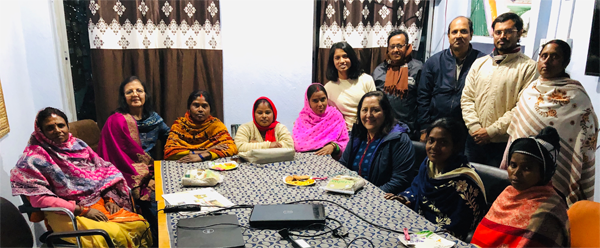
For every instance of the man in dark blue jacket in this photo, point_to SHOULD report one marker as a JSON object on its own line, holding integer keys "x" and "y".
{"x": 443, "y": 76}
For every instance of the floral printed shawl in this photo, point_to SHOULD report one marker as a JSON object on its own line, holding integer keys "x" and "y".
{"x": 564, "y": 105}
{"x": 71, "y": 171}
{"x": 186, "y": 135}
{"x": 535, "y": 217}
{"x": 454, "y": 200}
{"x": 312, "y": 131}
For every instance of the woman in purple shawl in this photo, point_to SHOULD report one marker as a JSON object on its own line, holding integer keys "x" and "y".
{"x": 319, "y": 127}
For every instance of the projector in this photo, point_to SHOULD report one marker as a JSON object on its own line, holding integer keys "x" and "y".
{"x": 280, "y": 216}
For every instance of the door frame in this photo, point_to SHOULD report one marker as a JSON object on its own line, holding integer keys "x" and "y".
{"x": 64, "y": 63}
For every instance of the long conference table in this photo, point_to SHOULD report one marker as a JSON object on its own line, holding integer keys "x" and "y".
{"x": 255, "y": 184}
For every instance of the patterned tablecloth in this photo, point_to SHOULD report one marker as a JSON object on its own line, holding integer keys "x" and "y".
{"x": 263, "y": 184}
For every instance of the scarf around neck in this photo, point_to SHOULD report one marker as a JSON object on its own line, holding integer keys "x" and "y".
{"x": 396, "y": 77}
{"x": 188, "y": 135}
{"x": 498, "y": 58}
{"x": 270, "y": 130}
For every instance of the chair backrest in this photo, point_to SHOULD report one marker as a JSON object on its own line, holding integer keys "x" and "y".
{"x": 495, "y": 180}
{"x": 15, "y": 230}
{"x": 584, "y": 220}
{"x": 234, "y": 128}
{"x": 86, "y": 130}
{"x": 420, "y": 155}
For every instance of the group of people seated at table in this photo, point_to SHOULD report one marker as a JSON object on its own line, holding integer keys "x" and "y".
{"x": 465, "y": 105}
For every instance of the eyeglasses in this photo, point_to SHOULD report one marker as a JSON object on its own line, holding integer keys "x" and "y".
{"x": 507, "y": 32}
{"x": 130, "y": 92}
{"x": 399, "y": 46}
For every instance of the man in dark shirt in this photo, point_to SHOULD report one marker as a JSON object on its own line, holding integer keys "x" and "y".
{"x": 444, "y": 74}
{"x": 398, "y": 77}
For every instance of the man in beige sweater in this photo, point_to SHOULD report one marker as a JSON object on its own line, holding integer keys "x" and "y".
{"x": 492, "y": 89}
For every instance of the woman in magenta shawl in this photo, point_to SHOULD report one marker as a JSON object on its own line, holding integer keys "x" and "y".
{"x": 319, "y": 127}
{"x": 122, "y": 145}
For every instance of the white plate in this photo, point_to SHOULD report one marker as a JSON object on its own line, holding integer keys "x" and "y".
{"x": 213, "y": 167}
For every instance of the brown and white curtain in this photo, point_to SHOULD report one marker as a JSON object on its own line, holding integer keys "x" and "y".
{"x": 174, "y": 46}
{"x": 365, "y": 25}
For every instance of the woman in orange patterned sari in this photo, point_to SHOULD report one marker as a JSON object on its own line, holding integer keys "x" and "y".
{"x": 198, "y": 136}
{"x": 529, "y": 212}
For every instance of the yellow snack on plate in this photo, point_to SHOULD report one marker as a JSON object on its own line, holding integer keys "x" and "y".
{"x": 224, "y": 166}
{"x": 298, "y": 180}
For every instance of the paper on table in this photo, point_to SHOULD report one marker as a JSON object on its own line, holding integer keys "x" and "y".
{"x": 204, "y": 197}
{"x": 426, "y": 239}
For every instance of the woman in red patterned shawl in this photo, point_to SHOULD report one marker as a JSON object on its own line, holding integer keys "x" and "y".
{"x": 529, "y": 212}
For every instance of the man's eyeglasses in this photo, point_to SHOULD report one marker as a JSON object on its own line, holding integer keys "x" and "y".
{"x": 507, "y": 32}
{"x": 399, "y": 46}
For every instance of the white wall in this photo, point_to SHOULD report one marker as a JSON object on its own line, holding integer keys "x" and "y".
{"x": 29, "y": 72}
{"x": 580, "y": 33}
{"x": 267, "y": 51}
{"x": 443, "y": 13}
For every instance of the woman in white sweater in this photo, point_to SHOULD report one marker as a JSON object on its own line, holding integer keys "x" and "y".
{"x": 264, "y": 131}
{"x": 347, "y": 82}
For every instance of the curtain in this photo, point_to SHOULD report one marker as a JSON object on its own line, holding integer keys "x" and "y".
{"x": 174, "y": 46}
{"x": 365, "y": 25}
{"x": 4, "y": 128}
{"x": 478, "y": 18}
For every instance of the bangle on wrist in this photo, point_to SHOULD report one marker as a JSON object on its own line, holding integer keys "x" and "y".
{"x": 200, "y": 155}
{"x": 336, "y": 148}
{"x": 84, "y": 211}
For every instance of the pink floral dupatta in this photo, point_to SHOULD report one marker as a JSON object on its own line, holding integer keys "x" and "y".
{"x": 120, "y": 144}
{"x": 71, "y": 171}
{"x": 312, "y": 131}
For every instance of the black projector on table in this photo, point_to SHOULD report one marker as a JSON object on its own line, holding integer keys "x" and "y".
{"x": 287, "y": 215}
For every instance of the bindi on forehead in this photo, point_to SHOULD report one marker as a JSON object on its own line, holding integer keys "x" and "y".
{"x": 53, "y": 119}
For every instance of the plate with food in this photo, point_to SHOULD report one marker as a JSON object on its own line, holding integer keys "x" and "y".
{"x": 225, "y": 166}
{"x": 299, "y": 180}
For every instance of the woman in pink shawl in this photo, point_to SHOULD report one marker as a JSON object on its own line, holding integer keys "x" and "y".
{"x": 59, "y": 170}
{"x": 319, "y": 127}
{"x": 121, "y": 144}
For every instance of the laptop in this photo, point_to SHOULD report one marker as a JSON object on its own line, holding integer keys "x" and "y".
{"x": 287, "y": 215}
{"x": 210, "y": 237}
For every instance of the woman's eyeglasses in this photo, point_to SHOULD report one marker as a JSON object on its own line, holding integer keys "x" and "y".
{"x": 130, "y": 92}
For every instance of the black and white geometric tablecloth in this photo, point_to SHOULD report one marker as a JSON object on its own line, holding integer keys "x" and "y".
{"x": 262, "y": 184}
